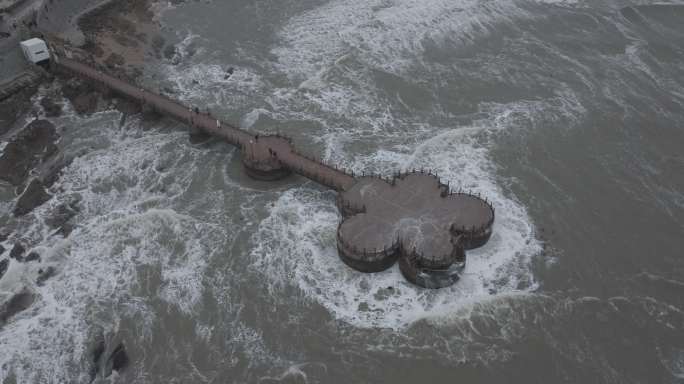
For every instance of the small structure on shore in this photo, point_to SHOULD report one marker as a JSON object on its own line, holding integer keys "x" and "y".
{"x": 36, "y": 51}
{"x": 412, "y": 217}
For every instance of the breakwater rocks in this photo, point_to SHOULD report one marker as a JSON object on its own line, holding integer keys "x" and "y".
{"x": 108, "y": 354}
{"x": 33, "y": 196}
{"x": 12, "y": 108}
{"x": 4, "y": 265}
{"x": 31, "y": 146}
{"x": 31, "y": 163}
{"x": 15, "y": 304}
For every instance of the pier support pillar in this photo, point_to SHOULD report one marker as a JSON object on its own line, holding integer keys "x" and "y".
{"x": 269, "y": 170}
{"x": 196, "y": 135}
{"x": 260, "y": 158}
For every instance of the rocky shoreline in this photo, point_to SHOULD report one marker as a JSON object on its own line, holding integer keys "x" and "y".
{"x": 120, "y": 36}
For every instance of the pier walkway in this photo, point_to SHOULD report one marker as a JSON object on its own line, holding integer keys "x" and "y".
{"x": 265, "y": 153}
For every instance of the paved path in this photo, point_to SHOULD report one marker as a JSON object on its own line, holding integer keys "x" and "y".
{"x": 256, "y": 148}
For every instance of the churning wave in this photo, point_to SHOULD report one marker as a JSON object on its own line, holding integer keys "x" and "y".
{"x": 125, "y": 186}
{"x": 296, "y": 242}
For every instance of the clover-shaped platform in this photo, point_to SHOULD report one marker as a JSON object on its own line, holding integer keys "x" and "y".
{"x": 414, "y": 218}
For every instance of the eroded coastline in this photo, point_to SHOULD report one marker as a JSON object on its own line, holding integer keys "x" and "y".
{"x": 120, "y": 36}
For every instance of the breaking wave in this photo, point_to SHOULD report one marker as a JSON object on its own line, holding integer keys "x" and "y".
{"x": 130, "y": 246}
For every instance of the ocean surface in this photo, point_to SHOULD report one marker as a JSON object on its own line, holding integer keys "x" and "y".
{"x": 568, "y": 115}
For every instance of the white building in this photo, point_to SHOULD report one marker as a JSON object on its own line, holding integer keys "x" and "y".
{"x": 35, "y": 50}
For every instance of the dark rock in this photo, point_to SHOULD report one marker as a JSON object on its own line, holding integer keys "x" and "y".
{"x": 12, "y": 108}
{"x": 74, "y": 87}
{"x": 51, "y": 108}
{"x": 4, "y": 265}
{"x": 199, "y": 137}
{"x": 86, "y": 103}
{"x": 33, "y": 196}
{"x": 150, "y": 115}
{"x": 17, "y": 303}
{"x": 190, "y": 50}
{"x": 32, "y": 256}
{"x": 65, "y": 230}
{"x": 168, "y": 90}
{"x": 52, "y": 170}
{"x": 158, "y": 42}
{"x": 92, "y": 47}
{"x": 32, "y": 145}
{"x": 17, "y": 252}
{"x": 119, "y": 358}
{"x": 62, "y": 213}
{"x": 127, "y": 106}
{"x": 2, "y": 249}
{"x": 169, "y": 52}
{"x": 82, "y": 96}
{"x": 45, "y": 274}
{"x": 98, "y": 351}
{"x": 114, "y": 60}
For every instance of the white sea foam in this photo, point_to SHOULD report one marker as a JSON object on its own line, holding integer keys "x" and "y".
{"x": 128, "y": 230}
{"x": 385, "y": 34}
{"x": 207, "y": 81}
{"x": 98, "y": 269}
{"x": 297, "y": 241}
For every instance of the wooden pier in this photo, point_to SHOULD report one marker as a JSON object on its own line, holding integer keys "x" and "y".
{"x": 412, "y": 217}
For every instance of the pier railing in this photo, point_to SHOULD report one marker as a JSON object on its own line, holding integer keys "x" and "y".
{"x": 315, "y": 169}
{"x": 368, "y": 254}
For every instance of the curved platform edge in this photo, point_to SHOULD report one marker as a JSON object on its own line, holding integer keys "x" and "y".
{"x": 265, "y": 171}
{"x": 473, "y": 239}
{"x": 430, "y": 278}
{"x": 367, "y": 262}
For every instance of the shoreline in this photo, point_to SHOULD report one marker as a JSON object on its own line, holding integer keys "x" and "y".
{"x": 31, "y": 159}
